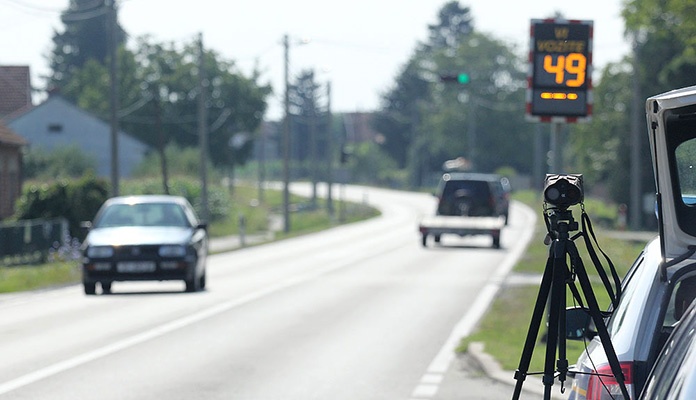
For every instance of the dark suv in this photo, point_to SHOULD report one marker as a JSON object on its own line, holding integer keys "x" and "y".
{"x": 475, "y": 195}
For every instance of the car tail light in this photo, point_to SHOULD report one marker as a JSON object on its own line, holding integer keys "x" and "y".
{"x": 603, "y": 385}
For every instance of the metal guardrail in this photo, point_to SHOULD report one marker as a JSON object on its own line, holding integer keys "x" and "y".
{"x": 32, "y": 241}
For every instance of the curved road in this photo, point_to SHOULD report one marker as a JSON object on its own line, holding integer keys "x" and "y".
{"x": 360, "y": 311}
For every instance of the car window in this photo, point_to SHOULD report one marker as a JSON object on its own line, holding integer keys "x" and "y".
{"x": 465, "y": 197}
{"x": 144, "y": 214}
{"x": 629, "y": 286}
{"x": 686, "y": 169}
{"x": 683, "y": 294}
{"x": 673, "y": 370}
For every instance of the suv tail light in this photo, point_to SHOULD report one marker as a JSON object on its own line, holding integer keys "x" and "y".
{"x": 603, "y": 385}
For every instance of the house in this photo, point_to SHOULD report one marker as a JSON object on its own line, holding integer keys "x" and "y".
{"x": 57, "y": 123}
{"x": 10, "y": 170}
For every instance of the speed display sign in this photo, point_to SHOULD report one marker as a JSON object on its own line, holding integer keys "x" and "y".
{"x": 559, "y": 79}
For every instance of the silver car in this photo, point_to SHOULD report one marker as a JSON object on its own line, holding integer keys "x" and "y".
{"x": 657, "y": 285}
{"x": 638, "y": 327}
{"x": 674, "y": 374}
{"x": 145, "y": 238}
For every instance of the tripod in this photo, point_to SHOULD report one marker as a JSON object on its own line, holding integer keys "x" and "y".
{"x": 556, "y": 275}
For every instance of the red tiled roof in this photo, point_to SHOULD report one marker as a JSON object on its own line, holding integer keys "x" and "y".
{"x": 7, "y": 137}
{"x": 15, "y": 89}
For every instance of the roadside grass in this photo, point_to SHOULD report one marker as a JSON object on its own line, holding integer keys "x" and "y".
{"x": 503, "y": 329}
{"x": 245, "y": 202}
{"x": 21, "y": 278}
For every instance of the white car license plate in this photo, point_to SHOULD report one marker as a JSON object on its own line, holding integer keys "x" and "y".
{"x": 135, "y": 266}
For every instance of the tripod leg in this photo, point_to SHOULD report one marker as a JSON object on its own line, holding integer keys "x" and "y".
{"x": 596, "y": 315}
{"x": 535, "y": 323}
{"x": 557, "y": 302}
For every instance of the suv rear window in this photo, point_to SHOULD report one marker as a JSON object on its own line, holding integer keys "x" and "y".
{"x": 466, "y": 197}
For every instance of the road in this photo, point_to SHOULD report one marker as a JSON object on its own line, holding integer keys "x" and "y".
{"x": 360, "y": 311}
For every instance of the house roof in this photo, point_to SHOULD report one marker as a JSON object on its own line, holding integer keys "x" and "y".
{"x": 7, "y": 137}
{"x": 15, "y": 89}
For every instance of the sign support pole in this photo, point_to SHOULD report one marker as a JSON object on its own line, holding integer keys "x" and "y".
{"x": 556, "y": 148}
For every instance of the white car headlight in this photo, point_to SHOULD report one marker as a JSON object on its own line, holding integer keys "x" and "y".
{"x": 172, "y": 251}
{"x": 100, "y": 252}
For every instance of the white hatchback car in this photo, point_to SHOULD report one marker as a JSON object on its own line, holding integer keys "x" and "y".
{"x": 657, "y": 289}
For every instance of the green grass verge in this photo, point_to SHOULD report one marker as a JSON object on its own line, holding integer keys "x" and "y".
{"x": 17, "y": 279}
{"x": 503, "y": 329}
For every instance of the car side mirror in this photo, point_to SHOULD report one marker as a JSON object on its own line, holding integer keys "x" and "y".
{"x": 202, "y": 225}
{"x": 579, "y": 324}
{"x": 86, "y": 225}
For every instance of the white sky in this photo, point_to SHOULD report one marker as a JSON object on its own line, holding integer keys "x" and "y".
{"x": 359, "y": 45}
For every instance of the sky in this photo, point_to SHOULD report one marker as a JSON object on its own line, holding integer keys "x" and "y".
{"x": 359, "y": 46}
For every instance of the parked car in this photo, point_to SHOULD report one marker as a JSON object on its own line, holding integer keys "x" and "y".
{"x": 638, "y": 327}
{"x": 143, "y": 238}
{"x": 674, "y": 374}
{"x": 654, "y": 288}
{"x": 475, "y": 195}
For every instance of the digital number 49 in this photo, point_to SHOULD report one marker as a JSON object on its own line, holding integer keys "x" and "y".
{"x": 573, "y": 63}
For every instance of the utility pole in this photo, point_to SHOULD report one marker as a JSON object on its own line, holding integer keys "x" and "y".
{"x": 203, "y": 129}
{"x": 313, "y": 147}
{"x": 286, "y": 139}
{"x": 329, "y": 152}
{"x": 113, "y": 98}
{"x": 161, "y": 141}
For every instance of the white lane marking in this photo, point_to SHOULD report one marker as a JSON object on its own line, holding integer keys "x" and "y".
{"x": 443, "y": 359}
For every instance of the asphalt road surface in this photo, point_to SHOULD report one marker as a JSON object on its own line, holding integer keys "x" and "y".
{"x": 360, "y": 311}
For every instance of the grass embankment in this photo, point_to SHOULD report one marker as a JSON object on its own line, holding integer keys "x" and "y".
{"x": 504, "y": 328}
{"x": 245, "y": 202}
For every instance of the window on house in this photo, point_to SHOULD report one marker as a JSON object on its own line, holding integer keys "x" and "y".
{"x": 55, "y": 128}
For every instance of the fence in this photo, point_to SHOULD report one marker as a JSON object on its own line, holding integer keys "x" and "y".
{"x": 31, "y": 241}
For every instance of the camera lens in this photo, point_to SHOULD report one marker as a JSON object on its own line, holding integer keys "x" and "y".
{"x": 553, "y": 194}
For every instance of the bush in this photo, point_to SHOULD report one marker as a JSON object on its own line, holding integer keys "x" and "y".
{"x": 64, "y": 162}
{"x": 75, "y": 200}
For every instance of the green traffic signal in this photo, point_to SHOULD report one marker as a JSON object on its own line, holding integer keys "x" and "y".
{"x": 459, "y": 78}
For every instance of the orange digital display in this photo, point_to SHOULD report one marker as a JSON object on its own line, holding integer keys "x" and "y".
{"x": 561, "y": 68}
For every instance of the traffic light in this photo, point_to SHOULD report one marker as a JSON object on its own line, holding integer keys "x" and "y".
{"x": 458, "y": 78}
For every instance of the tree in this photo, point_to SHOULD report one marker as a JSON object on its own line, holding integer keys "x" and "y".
{"x": 399, "y": 113}
{"x": 167, "y": 91}
{"x": 85, "y": 37}
{"x": 598, "y": 147}
{"x": 402, "y": 106}
{"x": 426, "y": 122}
{"x": 307, "y": 125}
{"x": 484, "y": 116}
{"x": 454, "y": 24}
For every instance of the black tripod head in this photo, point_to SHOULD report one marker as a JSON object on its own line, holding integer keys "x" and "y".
{"x": 559, "y": 222}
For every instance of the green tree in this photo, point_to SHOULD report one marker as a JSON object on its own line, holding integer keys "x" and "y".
{"x": 425, "y": 122}
{"x": 307, "y": 109}
{"x": 598, "y": 148}
{"x": 665, "y": 36}
{"x": 166, "y": 109}
{"x": 61, "y": 163}
{"x": 85, "y": 37}
{"x": 484, "y": 119}
{"x": 402, "y": 106}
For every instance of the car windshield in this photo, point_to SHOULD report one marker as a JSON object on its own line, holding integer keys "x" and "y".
{"x": 142, "y": 214}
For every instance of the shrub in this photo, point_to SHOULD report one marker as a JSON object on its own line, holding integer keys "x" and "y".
{"x": 74, "y": 200}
